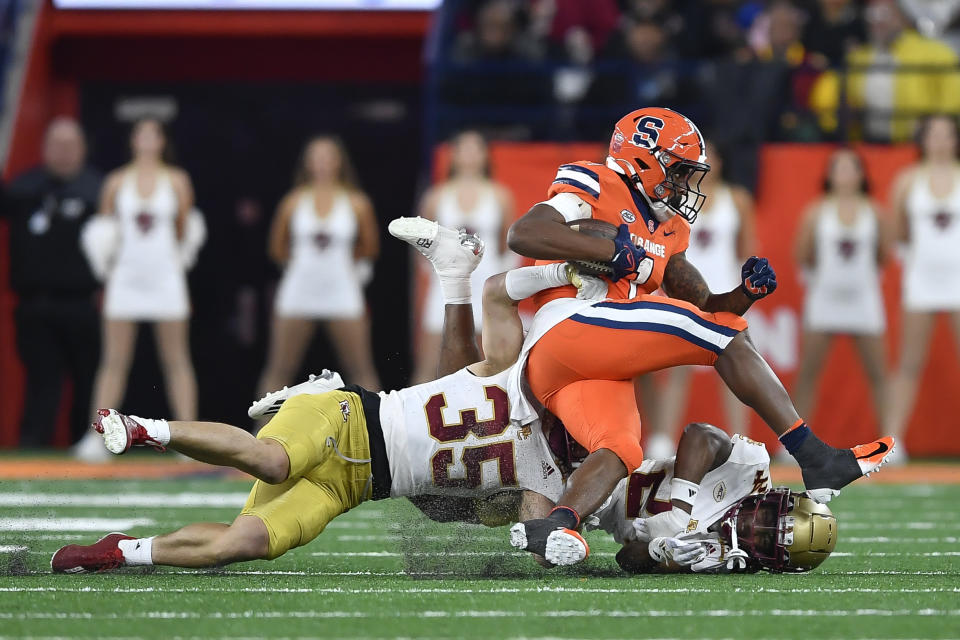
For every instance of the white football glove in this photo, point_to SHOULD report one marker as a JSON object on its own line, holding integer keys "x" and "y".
{"x": 588, "y": 287}
{"x": 663, "y": 525}
{"x": 681, "y": 552}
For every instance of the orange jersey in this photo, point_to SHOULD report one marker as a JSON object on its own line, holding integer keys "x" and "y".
{"x": 614, "y": 200}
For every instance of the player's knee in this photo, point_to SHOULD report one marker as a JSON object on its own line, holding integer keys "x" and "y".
{"x": 273, "y": 464}
{"x": 244, "y": 540}
{"x": 702, "y": 430}
{"x": 494, "y": 288}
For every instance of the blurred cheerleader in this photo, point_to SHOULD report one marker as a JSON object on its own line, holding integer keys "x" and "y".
{"x": 926, "y": 201}
{"x": 467, "y": 199}
{"x": 842, "y": 246}
{"x": 149, "y": 203}
{"x": 325, "y": 236}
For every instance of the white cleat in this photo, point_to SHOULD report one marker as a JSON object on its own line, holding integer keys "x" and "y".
{"x": 271, "y": 403}
{"x": 451, "y": 252}
{"x": 566, "y": 547}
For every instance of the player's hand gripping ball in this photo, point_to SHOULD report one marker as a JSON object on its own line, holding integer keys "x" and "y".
{"x": 757, "y": 278}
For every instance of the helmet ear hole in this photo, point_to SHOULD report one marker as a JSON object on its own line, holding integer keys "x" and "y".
{"x": 643, "y": 165}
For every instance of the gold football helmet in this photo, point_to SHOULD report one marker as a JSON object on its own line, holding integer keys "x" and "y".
{"x": 781, "y": 531}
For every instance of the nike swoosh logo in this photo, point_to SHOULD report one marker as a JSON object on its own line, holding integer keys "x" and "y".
{"x": 881, "y": 448}
{"x": 668, "y": 233}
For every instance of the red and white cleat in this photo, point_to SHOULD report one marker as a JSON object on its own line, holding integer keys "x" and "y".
{"x": 120, "y": 432}
{"x": 102, "y": 555}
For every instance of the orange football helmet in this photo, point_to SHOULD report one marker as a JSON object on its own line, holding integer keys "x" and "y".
{"x": 662, "y": 153}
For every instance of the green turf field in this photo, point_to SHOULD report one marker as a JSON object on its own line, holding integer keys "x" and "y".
{"x": 381, "y": 572}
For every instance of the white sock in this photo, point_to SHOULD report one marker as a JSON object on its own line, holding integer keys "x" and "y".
{"x": 159, "y": 430}
{"x": 524, "y": 282}
{"x": 456, "y": 289}
{"x": 137, "y": 552}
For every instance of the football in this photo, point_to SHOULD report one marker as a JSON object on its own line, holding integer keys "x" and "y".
{"x": 597, "y": 229}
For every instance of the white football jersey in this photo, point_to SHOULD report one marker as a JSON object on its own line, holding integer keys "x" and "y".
{"x": 646, "y": 491}
{"x": 454, "y": 436}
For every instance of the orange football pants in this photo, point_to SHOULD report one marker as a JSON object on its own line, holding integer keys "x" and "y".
{"x": 582, "y": 370}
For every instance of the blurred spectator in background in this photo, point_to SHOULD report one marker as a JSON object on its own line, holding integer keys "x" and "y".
{"x": 896, "y": 77}
{"x": 468, "y": 199}
{"x": 834, "y": 28}
{"x": 720, "y": 241}
{"x": 841, "y": 246}
{"x": 491, "y": 62}
{"x": 497, "y": 35}
{"x": 575, "y": 31}
{"x": 651, "y": 78}
{"x": 325, "y": 236}
{"x": 150, "y": 200}
{"x": 57, "y": 322}
{"x": 776, "y": 39}
{"x": 926, "y": 201}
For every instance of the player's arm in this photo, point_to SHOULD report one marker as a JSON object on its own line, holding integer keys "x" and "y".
{"x": 541, "y": 233}
{"x": 458, "y": 342}
{"x": 683, "y": 281}
{"x": 702, "y": 448}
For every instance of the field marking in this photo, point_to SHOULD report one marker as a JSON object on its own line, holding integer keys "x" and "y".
{"x": 492, "y": 613}
{"x": 188, "y": 499}
{"x": 12, "y": 548}
{"x": 455, "y": 590}
{"x": 72, "y": 524}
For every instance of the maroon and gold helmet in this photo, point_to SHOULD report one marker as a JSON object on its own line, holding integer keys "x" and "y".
{"x": 781, "y": 531}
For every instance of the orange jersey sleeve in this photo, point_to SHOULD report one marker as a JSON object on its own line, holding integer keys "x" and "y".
{"x": 580, "y": 178}
{"x": 616, "y": 201}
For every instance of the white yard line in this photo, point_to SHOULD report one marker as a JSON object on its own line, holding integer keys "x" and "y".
{"x": 492, "y": 613}
{"x": 456, "y": 590}
{"x": 72, "y": 524}
{"x": 123, "y": 500}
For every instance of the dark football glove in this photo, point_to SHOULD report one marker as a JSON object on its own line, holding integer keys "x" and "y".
{"x": 757, "y": 278}
{"x": 626, "y": 255}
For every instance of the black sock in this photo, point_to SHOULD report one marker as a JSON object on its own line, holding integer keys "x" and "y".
{"x": 812, "y": 451}
{"x": 565, "y": 517}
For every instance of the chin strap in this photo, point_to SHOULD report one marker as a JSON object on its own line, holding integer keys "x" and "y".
{"x": 736, "y": 557}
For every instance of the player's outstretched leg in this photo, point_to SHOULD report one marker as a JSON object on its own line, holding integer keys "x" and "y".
{"x": 210, "y": 442}
{"x": 271, "y": 402}
{"x": 825, "y": 469}
{"x": 203, "y": 544}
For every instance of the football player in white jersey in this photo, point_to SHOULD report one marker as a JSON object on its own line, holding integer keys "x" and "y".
{"x": 330, "y": 447}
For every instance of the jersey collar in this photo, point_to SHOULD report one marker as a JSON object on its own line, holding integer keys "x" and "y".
{"x": 640, "y": 204}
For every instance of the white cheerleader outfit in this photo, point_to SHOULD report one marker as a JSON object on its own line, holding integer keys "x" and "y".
{"x": 713, "y": 243}
{"x": 147, "y": 281}
{"x": 843, "y": 287}
{"x": 486, "y": 220}
{"x": 321, "y": 280}
{"x": 931, "y": 266}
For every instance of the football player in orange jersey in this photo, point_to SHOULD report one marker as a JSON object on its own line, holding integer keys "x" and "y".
{"x": 582, "y": 365}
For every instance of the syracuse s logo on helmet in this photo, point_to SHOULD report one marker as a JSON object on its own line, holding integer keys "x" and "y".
{"x": 648, "y": 132}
